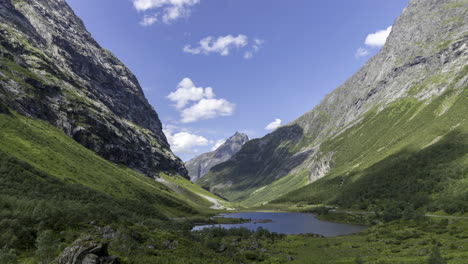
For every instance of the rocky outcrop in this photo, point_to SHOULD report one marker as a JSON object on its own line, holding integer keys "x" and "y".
{"x": 424, "y": 57}
{"x": 51, "y": 68}
{"x": 200, "y": 165}
{"x": 86, "y": 251}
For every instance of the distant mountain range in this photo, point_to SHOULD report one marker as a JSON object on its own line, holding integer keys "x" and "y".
{"x": 200, "y": 165}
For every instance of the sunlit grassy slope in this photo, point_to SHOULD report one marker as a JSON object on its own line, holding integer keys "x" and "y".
{"x": 428, "y": 136}
{"x": 193, "y": 191}
{"x": 50, "y": 152}
{"x": 411, "y": 152}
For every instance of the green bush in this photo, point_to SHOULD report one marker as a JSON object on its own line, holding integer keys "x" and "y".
{"x": 7, "y": 256}
{"x": 435, "y": 257}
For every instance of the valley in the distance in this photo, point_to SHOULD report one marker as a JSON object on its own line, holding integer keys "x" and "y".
{"x": 379, "y": 168}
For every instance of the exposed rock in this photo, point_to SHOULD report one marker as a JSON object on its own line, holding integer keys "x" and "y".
{"x": 200, "y": 165}
{"x": 427, "y": 41}
{"x": 85, "y": 251}
{"x": 108, "y": 232}
{"x": 51, "y": 68}
{"x": 320, "y": 167}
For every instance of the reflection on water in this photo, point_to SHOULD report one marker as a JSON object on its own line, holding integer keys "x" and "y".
{"x": 289, "y": 223}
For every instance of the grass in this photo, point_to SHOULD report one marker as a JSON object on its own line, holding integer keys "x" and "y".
{"x": 393, "y": 243}
{"x": 408, "y": 150}
{"x": 193, "y": 191}
{"x": 393, "y": 134}
{"x": 50, "y": 151}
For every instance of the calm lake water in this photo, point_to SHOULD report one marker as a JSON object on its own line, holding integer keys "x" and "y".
{"x": 290, "y": 223}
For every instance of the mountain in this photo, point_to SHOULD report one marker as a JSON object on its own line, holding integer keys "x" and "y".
{"x": 200, "y": 165}
{"x": 78, "y": 142}
{"x": 404, "y": 104}
{"x": 52, "y": 69}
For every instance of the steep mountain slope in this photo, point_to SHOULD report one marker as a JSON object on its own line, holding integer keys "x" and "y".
{"x": 51, "y": 68}
{"x": 415, "y": 82}
{"x": 55, "y": 193}
{"x": 200, "y": 165}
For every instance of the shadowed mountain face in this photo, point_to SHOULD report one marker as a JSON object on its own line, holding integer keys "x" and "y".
{"x": 423, "y": 63}
{"x": 200, "y": 165}
{"x": 51, "y": 68}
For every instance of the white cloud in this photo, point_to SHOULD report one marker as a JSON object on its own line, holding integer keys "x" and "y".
{"x": 218, "y": 144}
{"x": 374, "y": 40}
{"x": 274, "y": 125}
{"x": 378, "y": 38}
{"x": 361, "y": 52}
{"x": 221, "y": 45}
{"x": 207, "y": 109}
{"x": 254, "y": 49}
{"x": 184, "y": 142}
{"x": 186, "y": 91}
{"x": 167, "y": 11}
{"x": 148, "y": 20}
{"x": 205, "y": 105}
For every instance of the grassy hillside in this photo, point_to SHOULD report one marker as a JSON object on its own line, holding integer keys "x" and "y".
{"x": 194, "y": 192}
{"x": 52, "y": 185}
{"x": 413, "y": 152}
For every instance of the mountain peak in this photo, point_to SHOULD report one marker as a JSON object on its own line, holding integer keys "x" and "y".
{"x": 201, "y": 164}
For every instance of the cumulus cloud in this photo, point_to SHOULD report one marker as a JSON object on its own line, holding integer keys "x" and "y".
{"x": 217, "y": 144}
{"x": 374, "y": 40}
{"x": 184, "y": 142}
{"x": 167, "y": 11}
{"x": 207, "y": 109}
{"x": 221, "y": 45}
{"x": 274, "y": 125}
{"x": 378, "y": 38}
{"x": 186, "y": 91}
{"x": 204, "y": 105}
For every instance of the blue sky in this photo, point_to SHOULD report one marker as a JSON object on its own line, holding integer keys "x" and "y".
{"x": 213, "y": 67}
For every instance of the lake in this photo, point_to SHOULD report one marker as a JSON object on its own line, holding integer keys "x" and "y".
{"x": 289, "y": 223}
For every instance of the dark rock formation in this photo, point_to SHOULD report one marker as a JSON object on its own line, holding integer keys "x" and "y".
{"x": 86, "y": 251}
{"x": 51, "y": 68}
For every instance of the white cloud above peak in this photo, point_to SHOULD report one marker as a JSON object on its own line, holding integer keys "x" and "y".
{"x": 166, "y": 11}
{"x": 197, "y": 103}
{"x": 274, "y": 125}
{"x": 184, "y": 142}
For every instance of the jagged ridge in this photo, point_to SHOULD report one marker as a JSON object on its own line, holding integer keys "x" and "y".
{"x": 200, "y": 165}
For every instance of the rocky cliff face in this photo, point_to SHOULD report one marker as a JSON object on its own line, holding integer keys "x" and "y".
{"x": 200, "y": 165}
{"x": 51, "y": 68}
{"x": 424, "y": 58}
